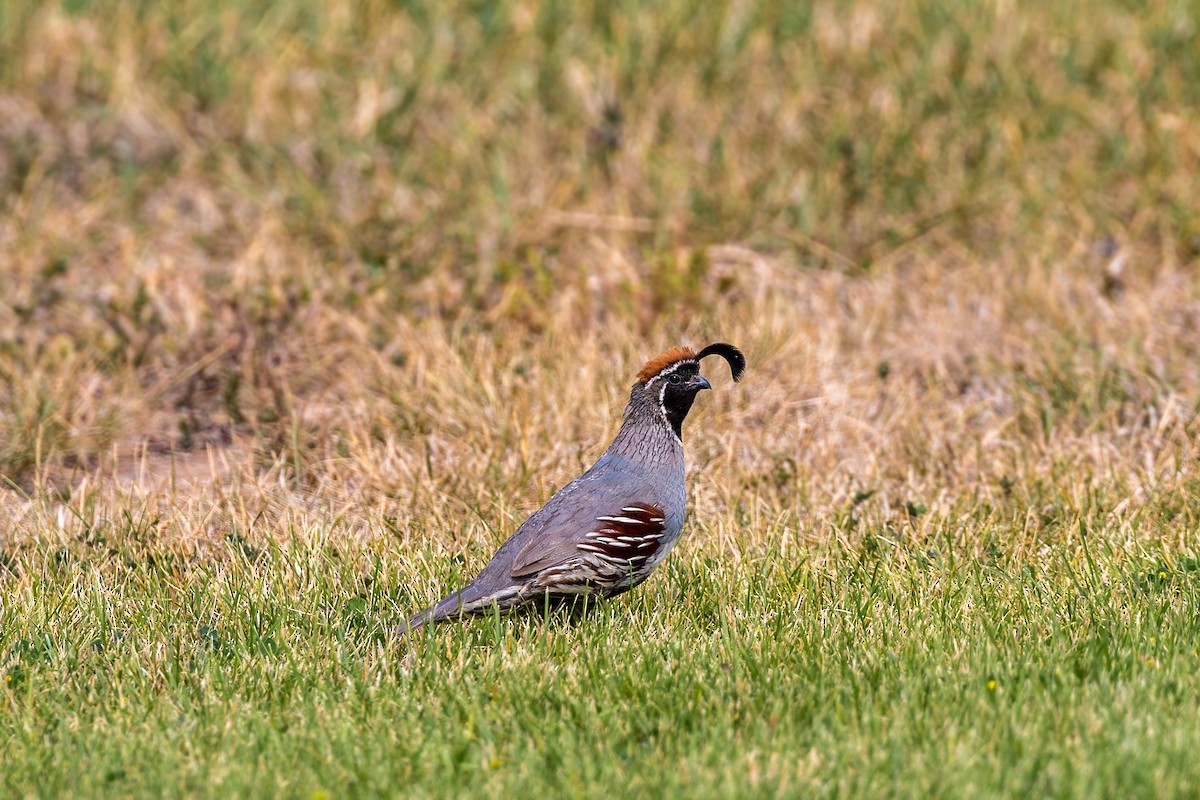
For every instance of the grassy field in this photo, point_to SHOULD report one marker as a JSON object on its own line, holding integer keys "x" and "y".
{"x": 305, "y": 306}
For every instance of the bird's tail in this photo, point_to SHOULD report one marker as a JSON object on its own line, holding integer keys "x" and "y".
{"x": 419, "y": 619}
{"x": 444, "y": 610}
{"x": 466, "y": 602}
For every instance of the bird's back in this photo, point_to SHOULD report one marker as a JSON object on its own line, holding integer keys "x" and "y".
{"x": 551, "y": 537}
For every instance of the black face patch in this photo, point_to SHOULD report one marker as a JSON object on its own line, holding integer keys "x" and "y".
{"x": 676, "y": 392}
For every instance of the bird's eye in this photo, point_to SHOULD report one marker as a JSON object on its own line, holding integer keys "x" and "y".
{"x": 674, "y": 377}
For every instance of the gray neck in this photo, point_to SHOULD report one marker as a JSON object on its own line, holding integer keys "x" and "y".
{"x": 645, "y": 436}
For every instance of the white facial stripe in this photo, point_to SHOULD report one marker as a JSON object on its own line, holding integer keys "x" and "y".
{"x": 662, "y": 406}
{"x": 668, "y": 370}
{"x": 662, "y": 393}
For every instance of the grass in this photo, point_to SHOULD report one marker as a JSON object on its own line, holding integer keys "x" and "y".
{"x": 306, "y": 306}
{"x": 862, "y": 672}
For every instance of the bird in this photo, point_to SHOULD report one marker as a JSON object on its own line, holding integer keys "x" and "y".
{"x": 604, "y": 532}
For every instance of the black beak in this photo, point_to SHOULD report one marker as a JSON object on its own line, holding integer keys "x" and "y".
{"x": 700, "y": 382}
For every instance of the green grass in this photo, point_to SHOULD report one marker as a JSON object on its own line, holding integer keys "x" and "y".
{"x": 1072, "y": 673}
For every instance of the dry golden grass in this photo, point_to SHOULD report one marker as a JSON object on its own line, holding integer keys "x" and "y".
{"x": 1008, "y": 386}
{"x": 368, "y": 280}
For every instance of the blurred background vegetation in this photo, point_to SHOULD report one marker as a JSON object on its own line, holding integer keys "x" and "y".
{"x": 197, "y": 198}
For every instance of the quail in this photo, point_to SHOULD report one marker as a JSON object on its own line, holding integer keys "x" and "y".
{"x": 606, "y": 531}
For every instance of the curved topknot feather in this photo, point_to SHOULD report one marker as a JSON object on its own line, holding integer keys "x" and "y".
{"x": 732, "y": 356}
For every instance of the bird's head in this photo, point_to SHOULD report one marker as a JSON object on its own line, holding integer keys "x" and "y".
{"x": 668, "y": 383}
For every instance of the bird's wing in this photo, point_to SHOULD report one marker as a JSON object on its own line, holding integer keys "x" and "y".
{"x": 627, "y": 532}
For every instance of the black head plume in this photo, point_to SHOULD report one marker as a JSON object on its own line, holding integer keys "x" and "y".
{"x": 737, "y": 361}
